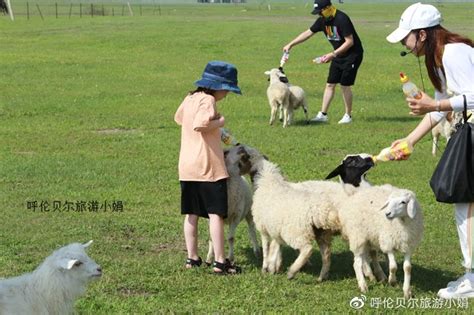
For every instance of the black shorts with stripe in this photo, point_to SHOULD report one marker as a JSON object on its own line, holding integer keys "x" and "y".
{"x": 204, "y": 198}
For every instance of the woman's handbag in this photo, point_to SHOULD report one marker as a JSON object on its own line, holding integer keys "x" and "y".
{"x": 453, "y": 178}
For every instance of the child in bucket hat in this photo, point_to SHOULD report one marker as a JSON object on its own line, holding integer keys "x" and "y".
{"x": 219, "y": 75}
{"x": 202, "y": 172}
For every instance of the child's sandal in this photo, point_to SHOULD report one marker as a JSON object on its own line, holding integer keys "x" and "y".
{"x": 226, "y": 268}
{"x": 192, "y": 263}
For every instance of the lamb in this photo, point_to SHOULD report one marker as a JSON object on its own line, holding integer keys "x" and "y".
{"x": 289, "y": 213}
{"x": 398, "y": 228}
{"x": 297, "y": 99}
{"x": 239, "y": 196}
{"x": 284, "y": 97}
{"x": 53, "y": 287}
{"x": 278, "y": 95}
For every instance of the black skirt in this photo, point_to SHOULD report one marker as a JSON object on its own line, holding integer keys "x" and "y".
{"x": 202, "y": 198}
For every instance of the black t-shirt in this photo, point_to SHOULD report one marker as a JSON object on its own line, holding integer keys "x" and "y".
{"x": 335, "y": 31}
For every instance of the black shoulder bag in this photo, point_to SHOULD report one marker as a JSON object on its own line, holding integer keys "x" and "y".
{"x": 453, "y": 178}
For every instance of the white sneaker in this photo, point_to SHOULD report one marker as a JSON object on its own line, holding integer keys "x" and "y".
{"x": 320, "y": 117}
{"x": 465, "y": 289}
{"x": 457, "y": 282}
{"x": 346, "y": 119}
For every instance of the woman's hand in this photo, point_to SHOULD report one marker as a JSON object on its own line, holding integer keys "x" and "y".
{"x": 401, "y": 149}
{"x": 421, "y": 106}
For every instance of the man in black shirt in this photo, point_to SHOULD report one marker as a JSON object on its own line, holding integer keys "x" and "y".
{"x": 345, "y": 58}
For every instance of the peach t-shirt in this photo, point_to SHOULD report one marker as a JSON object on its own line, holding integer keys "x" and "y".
{"x": 201, "y": 157}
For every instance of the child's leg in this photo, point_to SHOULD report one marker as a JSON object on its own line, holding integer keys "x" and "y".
{"x": 216, "y": 229}
{"x": 190, "y": 235}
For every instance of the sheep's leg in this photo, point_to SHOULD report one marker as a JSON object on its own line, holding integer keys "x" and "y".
{"x": 290, "y": 115}
{"x": 265, "y": 251}
{"x": 324, "y": 242}
{"x": 392, "y": 277}
{"x": 253, "y": 234}
{"x": 358, "y": 266}
{"x": 280, "y": 115}
{"x": 210, "y": 253}
{"x": 379, "y": 274}
{"x": 230, "y": 239}
{"x": 407, "y": 276}
{"x": 275, "y": 257}
{"x": 305, "y": 253}
{"x": 367, "y": 269}
{"x": 285, "y": 116}
{"x": 274, "y": 106}
{"x": 305, "y": 109}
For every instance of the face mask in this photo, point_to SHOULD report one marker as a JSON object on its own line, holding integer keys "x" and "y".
{"x": 329, "y": 12}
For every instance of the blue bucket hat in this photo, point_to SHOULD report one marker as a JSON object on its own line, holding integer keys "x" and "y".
{"x": 219, "y": 75}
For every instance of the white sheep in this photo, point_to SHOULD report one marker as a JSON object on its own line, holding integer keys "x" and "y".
{"x": 277, "y": 93}
{"x": 398, "y": 228}
{"x": 289, "y": 213}
{"x": 53, "y": 287}
{"x": 297, "y": 100}
{"x": 239, "y": 196}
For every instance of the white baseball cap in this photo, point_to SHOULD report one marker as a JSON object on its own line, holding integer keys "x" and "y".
{"x": 416, "y": 16}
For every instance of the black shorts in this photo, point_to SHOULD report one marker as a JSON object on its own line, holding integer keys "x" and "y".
{"x": 202, "y": 198}
{"x": 344, "y": 70}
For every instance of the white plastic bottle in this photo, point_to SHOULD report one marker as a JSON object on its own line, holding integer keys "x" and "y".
{"x": 284, "y": 58}
{"x": 409, "y": 88}
{"x": 319, "y": 60}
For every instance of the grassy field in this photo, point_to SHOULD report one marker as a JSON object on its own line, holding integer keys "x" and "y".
{"x": 86, "y": 116}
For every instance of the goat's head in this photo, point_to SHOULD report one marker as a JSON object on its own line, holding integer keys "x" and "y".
{"x": 401, "y": 204}
{"x": 353, "y": 169}
{"x": 74, "y": 261}
{"x": 276, "y": 75}
{"x": 246, "y": 158}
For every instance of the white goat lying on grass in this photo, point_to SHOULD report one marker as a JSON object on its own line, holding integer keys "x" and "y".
{"x": 53, "y": 287}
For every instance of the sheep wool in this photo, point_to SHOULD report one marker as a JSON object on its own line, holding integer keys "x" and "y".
{"x": 53, "y": 287}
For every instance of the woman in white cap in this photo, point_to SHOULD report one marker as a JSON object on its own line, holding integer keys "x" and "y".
{"x": 202, "y": 172}
{"x": 449, "y": 60}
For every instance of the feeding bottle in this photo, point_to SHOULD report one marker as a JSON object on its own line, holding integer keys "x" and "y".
{"x": 319, "y": 60}
{"x": 403, "y": 149}
{"x": 227, "y": 137}
{"x": 409, "y": 88}
{"x": 284, "y": 58}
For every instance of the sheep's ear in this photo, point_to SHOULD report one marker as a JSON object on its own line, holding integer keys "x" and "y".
{"x": 335, "y": 172}
{"x": 66, "y": 263}
{"x": 85, "y": 245}
{"x": 384, "y": 206}
{"x": 267, "y": 73}
{"x": 413, "y": 207}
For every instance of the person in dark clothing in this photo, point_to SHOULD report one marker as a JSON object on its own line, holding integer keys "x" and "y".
{"x": 345, "y": 58}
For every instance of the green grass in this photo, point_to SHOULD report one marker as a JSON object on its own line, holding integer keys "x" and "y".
{"x": 64, "y": 81}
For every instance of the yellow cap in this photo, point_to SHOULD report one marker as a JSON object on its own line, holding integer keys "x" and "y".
{"x": 403, "y": 77}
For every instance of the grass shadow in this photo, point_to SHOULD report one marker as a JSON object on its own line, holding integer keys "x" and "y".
{"x": 424, "y": 279}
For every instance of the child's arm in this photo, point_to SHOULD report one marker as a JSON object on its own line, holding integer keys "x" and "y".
{"x": 212, "y": 124}
{"x": 207, "y": 118}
